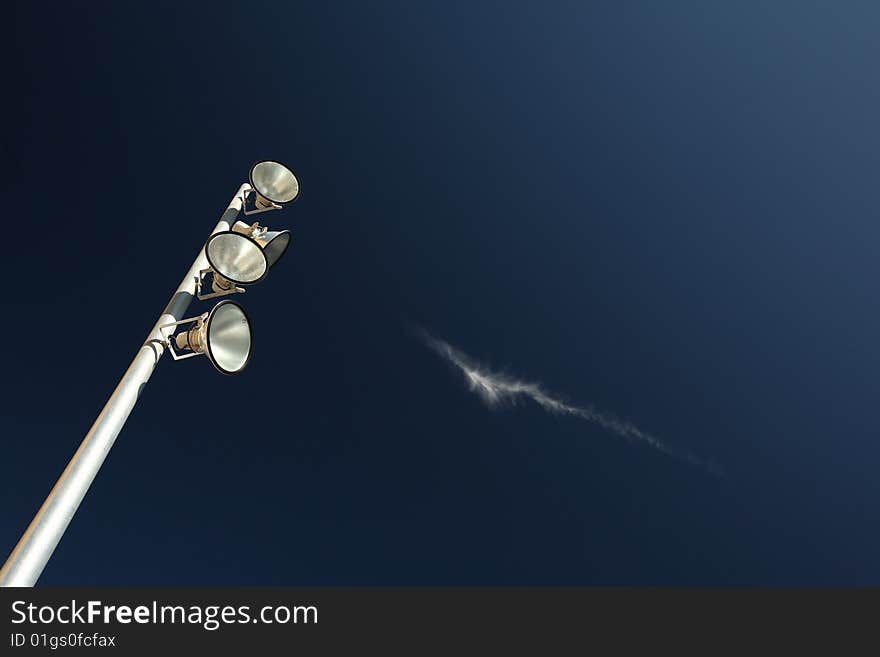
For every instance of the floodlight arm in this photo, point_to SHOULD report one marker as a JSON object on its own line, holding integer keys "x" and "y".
{"x": 200, "y": 285}
{"x": 169, "y": 337}
{"x": 27, "y": 560}
{"x": 258, "y": 207}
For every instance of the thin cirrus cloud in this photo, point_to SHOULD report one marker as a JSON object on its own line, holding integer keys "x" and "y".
{"x": 498, "y": 390}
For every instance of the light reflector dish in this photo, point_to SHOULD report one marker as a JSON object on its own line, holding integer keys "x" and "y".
{"x": 236, "y": 257}
{"x": 228, "y": 337}
{"x": 275, "y": 245}
{"x": 274, "y": 182}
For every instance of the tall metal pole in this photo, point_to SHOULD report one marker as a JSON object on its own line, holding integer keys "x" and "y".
{"x": 27, "y": 560}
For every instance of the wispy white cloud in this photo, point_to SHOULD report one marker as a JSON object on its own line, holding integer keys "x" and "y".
{"x": 497, "y": 390}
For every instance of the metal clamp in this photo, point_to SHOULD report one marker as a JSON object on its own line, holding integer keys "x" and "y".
{"x": 257, "y": 209}
{"x": 200, "y": 284}
{"x": 169, "y": 339}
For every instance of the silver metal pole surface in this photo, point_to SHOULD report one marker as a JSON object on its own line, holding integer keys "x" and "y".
{"x": 27, "y": 560}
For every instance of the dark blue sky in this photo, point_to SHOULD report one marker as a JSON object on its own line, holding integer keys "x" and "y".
{"x": 668, "y": 210}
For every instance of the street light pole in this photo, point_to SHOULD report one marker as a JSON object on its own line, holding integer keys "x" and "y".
{"x": 29, "y": 558}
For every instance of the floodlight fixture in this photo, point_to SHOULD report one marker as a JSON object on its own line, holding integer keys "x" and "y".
{"x": 274, "y": 186}
{"x": 237, "y": 257}
{"x": 274, "y": 243}
{"x": 224, "y": 335}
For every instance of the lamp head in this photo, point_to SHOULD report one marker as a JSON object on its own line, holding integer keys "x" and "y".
{"x": 225, "y": 337}
{"x": 273, "y": 183}
{"x": 236, "y": 257}
{"x": 274, "y": 243}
